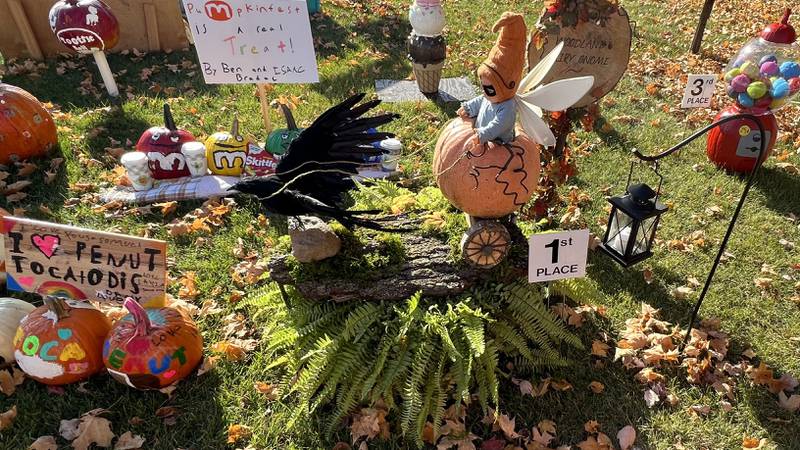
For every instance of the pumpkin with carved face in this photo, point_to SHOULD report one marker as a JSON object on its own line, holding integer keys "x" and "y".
{"x": 226, "y": 152}
{"x": 163, "y": 148}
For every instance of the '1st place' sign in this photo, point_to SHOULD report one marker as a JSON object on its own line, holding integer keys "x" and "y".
{"x": 81, "y": 264}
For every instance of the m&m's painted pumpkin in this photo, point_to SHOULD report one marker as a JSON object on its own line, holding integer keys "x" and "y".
{"x": 485, "y": 181}
{"x": 163, "y": 148}
{"x": 152, "y": 348}
{"x": 12, "y": 311}
{"x": 279, "y": 140}
{"x": 227, "y": 152}
{"x": 61, "y": 342}
{"x": 27, "y": 129}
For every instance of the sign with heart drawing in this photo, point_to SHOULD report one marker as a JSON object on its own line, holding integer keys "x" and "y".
{"x": 81, "y": 264}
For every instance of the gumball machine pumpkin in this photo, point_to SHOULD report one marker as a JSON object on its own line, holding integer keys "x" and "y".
{"x": 226, "y": 152}
{"x": 152, "y": 348}
{"x": 485, "y": 163}
{"x": 162, "y": 145}
{"x": 761, "y": 78}
{"x": 87, "y": 26}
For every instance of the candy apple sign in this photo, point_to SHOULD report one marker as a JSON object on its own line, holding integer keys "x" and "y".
{"x": 84, "y": 26}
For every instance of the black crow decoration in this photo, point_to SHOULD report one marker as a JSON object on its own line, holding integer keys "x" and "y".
{"x": 316, "y": 172}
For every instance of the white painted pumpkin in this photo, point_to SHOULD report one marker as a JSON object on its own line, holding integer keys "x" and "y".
{"x": 12, "y": 311}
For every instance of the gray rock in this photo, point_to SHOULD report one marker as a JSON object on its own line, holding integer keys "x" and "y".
{"x": 313, "y": 239}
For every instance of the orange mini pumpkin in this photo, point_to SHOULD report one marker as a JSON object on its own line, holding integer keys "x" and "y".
{"x": 486, "y": 181}
{"x": 26, "y": 128}
{"x": 152, "y": 348}
{"x": 61, "y": 342}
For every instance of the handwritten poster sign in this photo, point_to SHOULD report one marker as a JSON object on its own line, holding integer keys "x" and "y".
{"x": 253, "y": 41}
{"x": 52, "y": 259}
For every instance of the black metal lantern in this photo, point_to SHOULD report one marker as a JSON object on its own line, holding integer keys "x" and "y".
{"x": 632, "y": 223}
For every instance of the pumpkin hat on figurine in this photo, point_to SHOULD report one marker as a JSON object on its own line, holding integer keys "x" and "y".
{"x": 501, "y": 72}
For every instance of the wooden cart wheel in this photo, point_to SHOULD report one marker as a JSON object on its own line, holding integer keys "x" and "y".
{"x": 485, "y": 244}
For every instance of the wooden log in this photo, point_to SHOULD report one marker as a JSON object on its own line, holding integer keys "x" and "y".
{"x": 25, "y": 29}
{"x": 428, "y": 267}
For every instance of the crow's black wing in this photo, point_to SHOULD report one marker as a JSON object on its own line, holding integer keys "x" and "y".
{"x": 325, "y": 154}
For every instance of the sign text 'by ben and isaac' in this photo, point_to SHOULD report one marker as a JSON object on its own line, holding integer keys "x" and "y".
{"x": 253, "y": 41}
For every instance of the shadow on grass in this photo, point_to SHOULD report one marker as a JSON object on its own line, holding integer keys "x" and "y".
{"x": 776, "y": 185}
{"x": 199, "y": 419}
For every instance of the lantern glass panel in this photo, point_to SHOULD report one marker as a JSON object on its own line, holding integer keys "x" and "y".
{"x": 619, "y": 231}
{"x": 644, "y": 235}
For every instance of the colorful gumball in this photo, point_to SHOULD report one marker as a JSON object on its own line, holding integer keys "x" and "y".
{"x": 731, "y": 92}
{"x": 790, "y": 69}
{"x": 61, "y": 342}
{"x": 778, "y": 102}
{"x": 763, "y": 102}
{"x": 770, "y": 68}
{"x": 780, "y": 88}
{"x": 731, "y": 74}
{"x": 152, "y": 348}
{"x": 756, "y": 90}
{"x": 768, "y": 58}
{"x": 740, "y": 83}
{"x": 750, "y": 69}
{"x": 745, "y": 100}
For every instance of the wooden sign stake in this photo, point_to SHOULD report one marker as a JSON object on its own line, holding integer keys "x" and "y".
{"x": 105, "y": 72}
{"x": 262, "y": 97}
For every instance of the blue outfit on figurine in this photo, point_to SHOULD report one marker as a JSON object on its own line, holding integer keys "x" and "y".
{"x": 493, "y": 121}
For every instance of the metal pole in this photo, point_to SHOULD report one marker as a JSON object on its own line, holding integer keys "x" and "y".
{"x": 701, "y": 26}
{"x": 750, "y": 180}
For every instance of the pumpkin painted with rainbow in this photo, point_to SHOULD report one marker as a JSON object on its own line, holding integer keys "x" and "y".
{"x": 27, "y": 129}
{"x": 152, "y": 348}
{"x": 61, "y": 342}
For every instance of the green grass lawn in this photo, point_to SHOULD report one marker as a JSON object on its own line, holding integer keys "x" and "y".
{"x": 358, "y": 42}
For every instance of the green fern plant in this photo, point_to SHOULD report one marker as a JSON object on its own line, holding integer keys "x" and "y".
{"x": 417, "y": 357}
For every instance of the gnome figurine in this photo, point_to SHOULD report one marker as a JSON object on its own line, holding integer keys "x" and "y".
{"x": 495, "y": 111}
{"x": 427, "y": 48}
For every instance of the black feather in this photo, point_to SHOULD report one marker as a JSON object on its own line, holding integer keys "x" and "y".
{"x": 316, "y": 172}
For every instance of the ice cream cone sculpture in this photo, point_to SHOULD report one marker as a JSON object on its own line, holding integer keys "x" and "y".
{"x": 427, "y": 48}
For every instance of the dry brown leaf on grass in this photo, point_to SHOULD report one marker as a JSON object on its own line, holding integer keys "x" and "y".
{"x": 238, "y": 433}
{"x": 129, "y": 441}
{"x": 370, "y": 423}
{"x": 188, "y": 283}
{"x": 600, "y": 348}
{"x": 626, "y": 437}
{"x": 234, "y": 349}
{"x": 7, "y": 418}
{"x": 93, "y": 429}
{"x": 789, "y": 403}
{"x": 597, "y": 387}
{"x": 270, "y": 391}
{"x": 753, "y": 443}
{"x": 10, "y": 380}
{"x": 44, "y": 443}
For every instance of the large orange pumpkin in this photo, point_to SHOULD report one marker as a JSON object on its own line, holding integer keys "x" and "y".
{"x": 152, "y": 348}
{"x": 26, "y": 128}
{"x": 61, "y": 342}
{"x": 485, "y": 181}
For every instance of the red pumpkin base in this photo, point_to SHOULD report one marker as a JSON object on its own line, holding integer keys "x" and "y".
{"x": 734, "y": 145}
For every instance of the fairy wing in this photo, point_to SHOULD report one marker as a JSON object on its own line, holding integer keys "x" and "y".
{"x": 559, "y": 95}
{"x": 540, "y": 70}
{"x": 530, "y": 117}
